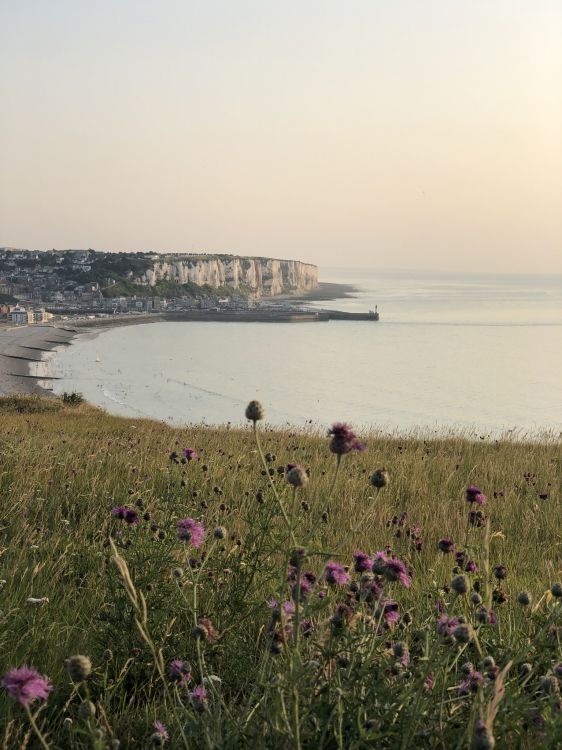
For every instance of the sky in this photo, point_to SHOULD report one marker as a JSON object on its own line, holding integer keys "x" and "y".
{"x": 412, "y": 134}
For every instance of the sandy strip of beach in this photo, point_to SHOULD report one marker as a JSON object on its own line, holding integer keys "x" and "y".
{"x": 22, "y": 360}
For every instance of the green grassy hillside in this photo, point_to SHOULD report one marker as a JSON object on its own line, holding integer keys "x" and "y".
{"x": 353, "y": 659}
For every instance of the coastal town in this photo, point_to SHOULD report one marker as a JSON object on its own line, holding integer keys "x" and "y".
{"x": 35, "y": 286}
{"x": 88, "y": 287}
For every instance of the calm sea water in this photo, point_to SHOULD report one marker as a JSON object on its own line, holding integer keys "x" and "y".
{"x": 476, "y": 353}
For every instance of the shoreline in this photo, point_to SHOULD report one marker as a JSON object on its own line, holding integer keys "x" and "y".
{"x": 26, "y": 350}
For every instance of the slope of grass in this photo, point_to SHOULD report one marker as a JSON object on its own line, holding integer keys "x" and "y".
{"x": 332, "y": 671}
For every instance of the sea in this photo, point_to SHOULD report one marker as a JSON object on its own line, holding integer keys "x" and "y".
{"x": 471, "y": 354}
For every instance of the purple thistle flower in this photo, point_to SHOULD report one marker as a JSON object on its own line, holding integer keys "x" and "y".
{"x": 362, "y": 562}
{"x": 446, "y": 545}
{"x": 198, "y": 697}
{"x": 344, "y": 440}
{"x": 471, "y": 567}
{"x": 471, "y": 683}
{"x": 460, "y": 558}
{"x": 474, "y": 495}
{"x": 305, "y": 588}
{"x": 190, "y": 530}
{"x": 370, "y": 591}
{"x": 179, "y": 671}
{"x": 161, "y": 729}
{"x": 395, "y": 570}
{"x": 26, "y": 685}
{"x": 335, "y": 573}
{"x": 287, "y": 607}
{"x": 124, "y": 513}
{"x": 500, "y": 572}
{"x": 446, "y": 625}
{"x": 389, "y": 612}
{"x": 190, "y": 454}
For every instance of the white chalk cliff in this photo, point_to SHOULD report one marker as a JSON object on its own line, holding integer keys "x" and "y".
{"x": 262, "y": 276}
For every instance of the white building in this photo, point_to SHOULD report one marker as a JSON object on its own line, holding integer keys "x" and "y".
{"x": 20, "y": 316}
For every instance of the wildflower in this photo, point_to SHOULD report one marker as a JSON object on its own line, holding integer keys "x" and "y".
{"x": 190, "y": 530}
{"x": 341, "y": 617}
{"x": 460, "y": 558}
{"x": 344, "y": 440}
{"x": 306, "y": 584}
{"x": 379, "y": 478}
{"x": 79, "y": 667}
{"x": 500, "y": 572}
{"x": 379, "y": 563}
{"x": 446, "y": 545}
{"x": 484, "y": 616}
{"x": 160, "y": 734}
{"x": 524, "y": 598}
{"x": 389, "y": 612}
{"x": 370, "y": 591}
{"x": 459, "y": 584}
{"x": 198, "y": 697}
{"x": 179, "y": 671}
{"x": 205, "y": 630}
{"x": 220, "y": 532}
{"x": 471, "y": 567}
{"x": 255, "y": 411}
{"x": 556, "y": 590}
{"x": 288, "y": 609}
{"x": 400, "y": 651}
{"x": 395, "y": 570}
{"x": 190, "y": 454}
{"x": 474, "y": 495}
{"x": 297, "y": 476}
{"x": 335, "y": 573}
{"x": 471, "y": 683}
{"x": 362, "y": 562}
{"x": 124, "y": 513}
{"x": 26, "y": 685}
{"x": 446, "y": 625}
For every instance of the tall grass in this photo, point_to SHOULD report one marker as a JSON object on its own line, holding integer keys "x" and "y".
{"x": 330, "y": 668}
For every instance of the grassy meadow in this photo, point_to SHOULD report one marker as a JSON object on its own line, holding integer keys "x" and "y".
{"x": 273, "y": 632}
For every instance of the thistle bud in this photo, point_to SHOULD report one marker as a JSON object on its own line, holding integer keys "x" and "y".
{"x": 255, "y": 411}
{"x": 297, "y": 476}
{"x": 459, "y": 584}
{"x": 79, "y": 667}
{"x": 379, "y": 478}
{"x": 556, "y": 590}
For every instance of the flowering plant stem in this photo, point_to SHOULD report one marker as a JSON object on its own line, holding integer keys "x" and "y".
{"x": 273, "y": 487}
{"x": 36, "y": 729}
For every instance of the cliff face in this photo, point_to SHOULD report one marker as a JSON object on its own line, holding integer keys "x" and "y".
{"x": 264, "y": 276}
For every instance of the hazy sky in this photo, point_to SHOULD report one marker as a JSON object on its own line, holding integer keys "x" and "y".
{"x": 395, "y": 133}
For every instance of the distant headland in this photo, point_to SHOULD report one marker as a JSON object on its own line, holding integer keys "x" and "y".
{"x": 91, "y": 280}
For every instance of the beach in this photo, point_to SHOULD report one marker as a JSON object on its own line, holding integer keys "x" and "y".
{"x": 25, "y": 350}
{"x": 23, "y": 354}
